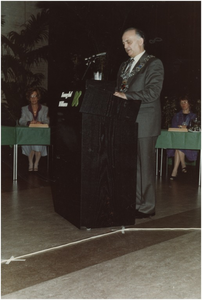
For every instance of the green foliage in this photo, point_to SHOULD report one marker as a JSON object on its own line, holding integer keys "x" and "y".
{"x": 20, "y": 53}
{"x": 169, "y": 108}
{"x": 197, "y": 109}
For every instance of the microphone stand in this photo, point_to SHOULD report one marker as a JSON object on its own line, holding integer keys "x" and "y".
{"x": 90, "y": 60}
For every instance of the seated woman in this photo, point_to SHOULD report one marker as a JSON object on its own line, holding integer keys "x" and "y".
{"x": 182, "y": 119}
{"x": 34, "y": 113}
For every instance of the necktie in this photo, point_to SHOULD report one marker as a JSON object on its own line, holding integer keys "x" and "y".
{"x": 128, "y": 68}
{"x": 125, "y": 75}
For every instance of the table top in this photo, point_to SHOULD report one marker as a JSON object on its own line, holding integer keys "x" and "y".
{"x": 179, "y": 140}
{"x": 22, "y": 135}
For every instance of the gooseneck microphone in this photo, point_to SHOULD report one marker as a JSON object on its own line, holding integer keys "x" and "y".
{"x": 96, "y": 55}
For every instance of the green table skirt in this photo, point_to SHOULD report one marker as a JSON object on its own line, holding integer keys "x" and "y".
{"x": 32, "y": 136}
{"x": 24, "y": 136}
{"x": 8, "y": 135}
{"x": 41, "y": 136}
{"x": 179, "y": 140}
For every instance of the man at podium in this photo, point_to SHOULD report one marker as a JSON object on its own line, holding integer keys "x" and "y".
{"x": 141, "y": 78}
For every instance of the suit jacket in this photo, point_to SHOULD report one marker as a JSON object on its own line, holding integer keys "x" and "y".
{"x": 27, "y": 116}
{"x": 146, "y": 85}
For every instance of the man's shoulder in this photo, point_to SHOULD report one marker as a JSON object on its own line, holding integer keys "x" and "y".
{"x": 150, "y": 57}
{"x": 148, "y": 61}
{"x": 154, "y": 61}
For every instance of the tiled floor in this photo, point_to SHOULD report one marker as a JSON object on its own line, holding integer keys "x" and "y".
{"x": 157, "y": 258}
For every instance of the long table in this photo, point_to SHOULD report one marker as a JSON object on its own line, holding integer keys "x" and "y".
{"x": 177, "y": 140}
{"x": 21, "y": 135}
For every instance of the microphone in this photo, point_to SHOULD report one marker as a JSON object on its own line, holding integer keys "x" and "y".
{"x": 101, "y": 54}
{"x": 96, "y": 55}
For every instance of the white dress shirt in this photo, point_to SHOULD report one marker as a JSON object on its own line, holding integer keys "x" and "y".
{"x": 136, "y": 58}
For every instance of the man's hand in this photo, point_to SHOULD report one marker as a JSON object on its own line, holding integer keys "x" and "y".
{"x": 120, "y": 95}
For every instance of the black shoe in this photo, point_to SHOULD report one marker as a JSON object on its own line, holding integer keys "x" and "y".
{"x": 141, "y": 215}
{"x": 184, "y": 170}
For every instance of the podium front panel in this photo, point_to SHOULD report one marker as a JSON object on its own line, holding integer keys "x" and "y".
{"x": 94, "y": 158}
{"x": 108, "y": 173}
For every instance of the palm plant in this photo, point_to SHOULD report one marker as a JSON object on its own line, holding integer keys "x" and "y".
{"x": 21, "y": 52}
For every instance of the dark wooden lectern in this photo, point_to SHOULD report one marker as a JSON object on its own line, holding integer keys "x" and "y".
{"x": 95, "y": 166}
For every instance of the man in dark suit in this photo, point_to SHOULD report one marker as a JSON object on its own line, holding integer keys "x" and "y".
{"x": 142, "y": 79}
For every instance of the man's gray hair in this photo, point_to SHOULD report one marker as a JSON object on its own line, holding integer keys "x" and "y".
{"x": 139, "y": 32}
